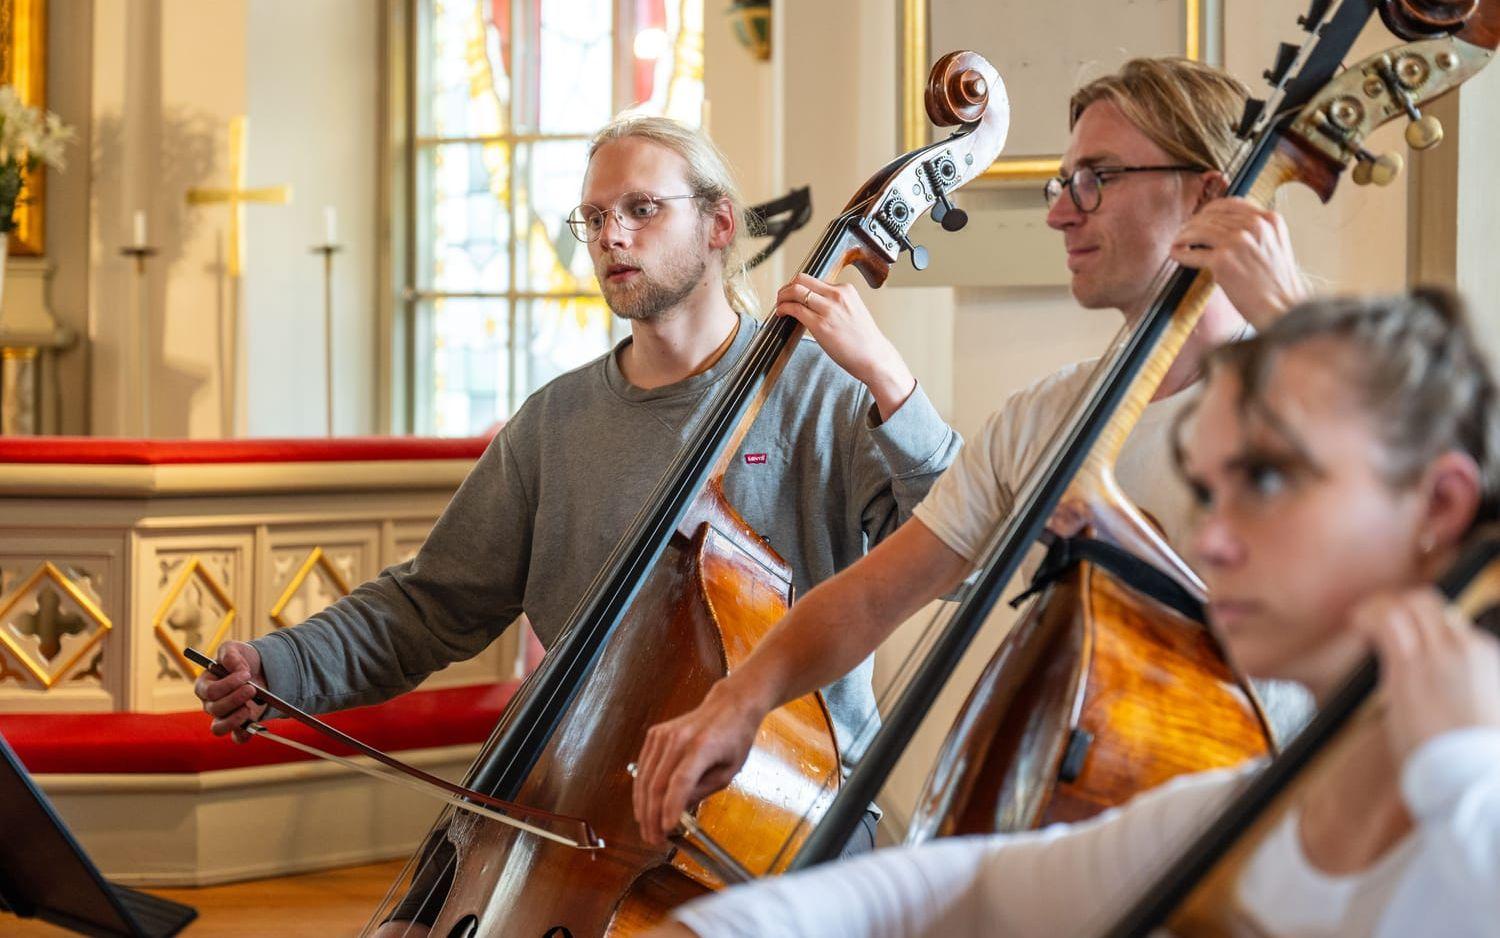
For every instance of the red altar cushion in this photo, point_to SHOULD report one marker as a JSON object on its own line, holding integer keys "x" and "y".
{"x": 131, "y": 452}
{"x": 175, "y": 743}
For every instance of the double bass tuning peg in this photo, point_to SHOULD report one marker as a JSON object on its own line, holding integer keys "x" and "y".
{"x": 1286, "y": 54}
{"x": 1382, "y": 170}
{"x": 918, "y": 253}
{"x": 1314, "y": 15}
{"x": 1424, "y": 133}
{"x": 1251, "y": 114}
{"x": 942, "y": 174}
{"x": 950, "y": 216}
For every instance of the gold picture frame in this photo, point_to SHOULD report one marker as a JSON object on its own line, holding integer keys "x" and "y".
{"x": 23, "y": 65}
{"x": 917, "y": 57}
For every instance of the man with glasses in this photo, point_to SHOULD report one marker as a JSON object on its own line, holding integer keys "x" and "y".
{"x": 1145, "y": 172}
{"x": 846, "y": 444}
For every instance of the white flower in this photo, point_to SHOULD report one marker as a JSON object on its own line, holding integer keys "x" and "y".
{"x": 27, "y": 135}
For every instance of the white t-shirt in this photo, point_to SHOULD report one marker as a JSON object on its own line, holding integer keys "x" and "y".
{"x": 1076, "y": 880}
{"x": 971, "y": 499}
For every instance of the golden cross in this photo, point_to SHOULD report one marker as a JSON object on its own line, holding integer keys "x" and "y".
{"x": 237, "y": 195}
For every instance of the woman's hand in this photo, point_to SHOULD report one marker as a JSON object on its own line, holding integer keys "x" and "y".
{"x": 1438, "y": 671}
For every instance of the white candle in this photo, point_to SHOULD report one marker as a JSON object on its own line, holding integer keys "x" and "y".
{"x": 330, "y": 225}
{"x": 140, "y": 228}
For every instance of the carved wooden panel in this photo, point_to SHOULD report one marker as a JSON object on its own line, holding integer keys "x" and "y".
{"x": 97, "y": 603}
{"x": 308, "y": 581}
{"x": 195, "y": 607}
{"x": 306, "y": 568}
{"x": 52, "y": 625}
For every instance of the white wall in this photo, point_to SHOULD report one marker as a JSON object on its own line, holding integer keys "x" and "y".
{"x": 70, "y": 55}
{"x": 313, "y": 97}
{"x": 155, "y": 84}
{"x": 1478, "y": 214}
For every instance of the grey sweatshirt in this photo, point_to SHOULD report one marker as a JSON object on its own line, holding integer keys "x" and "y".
{"x": 557, "y": 488}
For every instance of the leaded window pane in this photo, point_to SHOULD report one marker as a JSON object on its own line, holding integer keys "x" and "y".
{"x": 502, "y": 298}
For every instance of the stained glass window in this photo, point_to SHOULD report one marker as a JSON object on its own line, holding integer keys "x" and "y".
{"x": 501, "y": 297}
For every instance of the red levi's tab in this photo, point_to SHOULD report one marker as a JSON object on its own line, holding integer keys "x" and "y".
{"x": 755, "y": 459}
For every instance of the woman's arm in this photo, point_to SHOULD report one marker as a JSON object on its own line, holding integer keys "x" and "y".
{"x": 1065, "y": 880}
{"x": 1441, "y": 680}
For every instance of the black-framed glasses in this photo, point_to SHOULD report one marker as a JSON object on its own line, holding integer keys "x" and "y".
{"x": 1086, "y": 183}
{"x": 633, "y": 210}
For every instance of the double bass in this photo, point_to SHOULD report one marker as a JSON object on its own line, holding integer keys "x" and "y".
{"x": 1103, "y": 692}
{"x": 686, "y": 594}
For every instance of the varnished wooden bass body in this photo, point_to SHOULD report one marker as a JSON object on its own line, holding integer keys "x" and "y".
{"x": 1098, "y": 693}
{"x": 705, "y": 605}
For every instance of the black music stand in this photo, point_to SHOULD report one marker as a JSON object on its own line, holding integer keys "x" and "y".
{"x": 44, "y": 873}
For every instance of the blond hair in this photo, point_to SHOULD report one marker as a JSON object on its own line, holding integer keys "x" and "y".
{"x": 710, "y": 179}
{"x": 1187, "y": 108}
{"x": 1416, "y": 368}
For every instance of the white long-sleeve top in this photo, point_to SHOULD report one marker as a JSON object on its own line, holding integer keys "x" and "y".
{"x": 1452, "y": 884}
{"x": 1443, "y": 879}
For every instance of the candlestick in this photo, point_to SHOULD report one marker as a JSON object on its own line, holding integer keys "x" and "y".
{"x": 141, "y": 317}
{"x": 328, "y": 250}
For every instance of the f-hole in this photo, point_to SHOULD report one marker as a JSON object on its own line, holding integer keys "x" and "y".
{"x": 557, "y": 931}
{"x": 466, "y": 927}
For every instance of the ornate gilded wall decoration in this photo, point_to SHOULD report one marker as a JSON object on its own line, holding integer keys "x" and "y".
{"x": 49, "y": 623}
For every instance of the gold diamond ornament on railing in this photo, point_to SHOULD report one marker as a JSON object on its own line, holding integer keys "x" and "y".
{"x": 316, "y": 561}
{"x": 186, "y": 607}
{"x": 54, "y": 633}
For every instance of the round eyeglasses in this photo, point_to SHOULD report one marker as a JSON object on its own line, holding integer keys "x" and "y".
{"x": 1086, "y": 183}
{"x": 633, "y": 210}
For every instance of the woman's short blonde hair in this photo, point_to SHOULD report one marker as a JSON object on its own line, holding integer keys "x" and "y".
{"x": 1187, "y": 108}
{"x": 710, "y": 179}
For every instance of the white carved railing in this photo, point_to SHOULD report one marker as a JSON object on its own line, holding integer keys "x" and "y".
{"x": 108, "y": 570}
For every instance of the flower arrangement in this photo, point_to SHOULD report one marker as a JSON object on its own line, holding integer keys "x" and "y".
{"x": 28, "y": 138}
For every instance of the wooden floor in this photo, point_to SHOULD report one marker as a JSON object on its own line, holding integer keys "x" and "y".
{"x": 331, "y": 903}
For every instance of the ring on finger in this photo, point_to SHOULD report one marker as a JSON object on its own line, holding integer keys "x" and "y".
{"x": 807, "y": 296}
